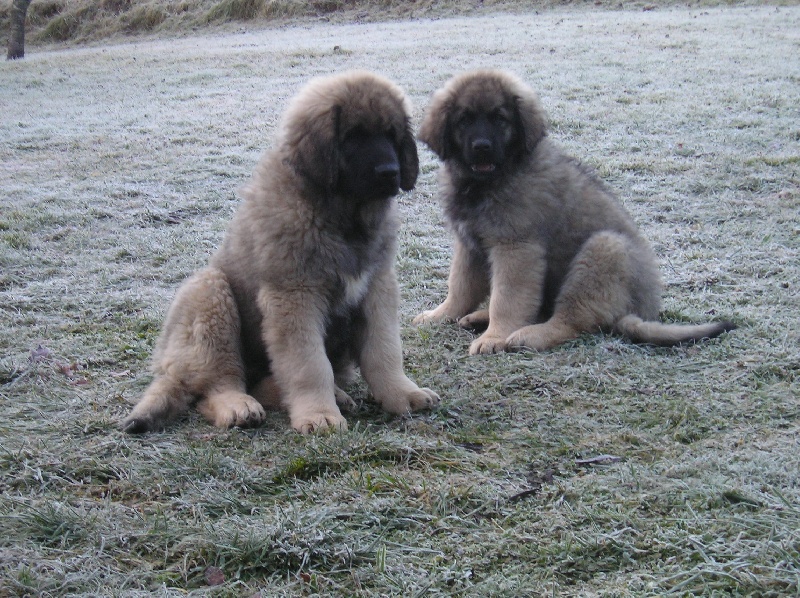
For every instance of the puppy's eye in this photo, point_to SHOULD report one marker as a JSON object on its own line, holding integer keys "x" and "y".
{"x": 355, "y": 134}
{"x": 465, "y": 120}
{"x": 500, "y": 118}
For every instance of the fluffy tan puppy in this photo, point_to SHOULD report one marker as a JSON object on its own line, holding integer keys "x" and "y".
{"x": 303, "y": 287}
{"x": 535, "y": 230}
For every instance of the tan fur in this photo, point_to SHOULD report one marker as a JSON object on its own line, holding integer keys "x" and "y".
{"x": 546, "y": 241}
{"x": 250, "y": 330}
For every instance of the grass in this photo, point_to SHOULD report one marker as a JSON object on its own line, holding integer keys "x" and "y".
{"x": 84, "y": 21}
{"x": 119, "y": 165}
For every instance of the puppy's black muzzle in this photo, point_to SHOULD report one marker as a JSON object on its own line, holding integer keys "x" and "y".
{"x": 370, "y": 167}
{"x": 388, "y": 173}
{"x": 482, "y": 145}
{"x": 483, "y": 151}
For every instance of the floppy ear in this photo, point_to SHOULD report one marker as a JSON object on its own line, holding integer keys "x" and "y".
{"x": 409, "y": 161}
{"x": 531, "y": 119}
{"x": 435, "y": 129}
{"x": 316, "y": 151}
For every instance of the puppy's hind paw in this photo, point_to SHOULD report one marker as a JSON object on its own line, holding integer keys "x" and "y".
{"x": 344, "y": 401}
{"x": 139, "y": 425}
{"x": 477, "y": 320}
{"x": 540, "y": 337}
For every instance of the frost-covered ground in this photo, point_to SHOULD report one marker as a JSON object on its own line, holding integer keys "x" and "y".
{"x": 119, "y": 167}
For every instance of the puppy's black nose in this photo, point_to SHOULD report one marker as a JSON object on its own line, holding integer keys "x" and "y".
{"x": 481, "y": 145}
{"x": 387, "y": 171}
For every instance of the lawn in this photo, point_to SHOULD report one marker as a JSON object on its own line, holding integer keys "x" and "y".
{"x": 600, "y": 468}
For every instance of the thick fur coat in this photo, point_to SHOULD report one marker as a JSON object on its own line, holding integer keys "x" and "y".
{"x": 303, "y": 288}
{"x": 535, "y": 231}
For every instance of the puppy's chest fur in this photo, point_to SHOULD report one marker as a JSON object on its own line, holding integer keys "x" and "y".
{"x": 476, "y": 212}
{"x": 352, "y": 282}
{"x": 362, "y": 246}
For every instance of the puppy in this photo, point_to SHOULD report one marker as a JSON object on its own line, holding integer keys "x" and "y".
{"x": 303, "y": 288}
{"x": 535, "y": 230}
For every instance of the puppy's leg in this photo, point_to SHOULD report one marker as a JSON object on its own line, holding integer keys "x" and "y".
{"x": 467, "y": 286}
{"x": 381, "y": 356}
{"x": 164, "y": 400}
{"x": 267, "y": 393}
{"x": 344, "y": 374}
{"x": 198, "y": 355}
{"x": 293, "y": 329}
{"x": 518, "y": 273}
{"x": 594, "y": 295}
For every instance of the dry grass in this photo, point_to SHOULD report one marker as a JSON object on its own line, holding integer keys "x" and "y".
{"x": 82, "y": 21}
{"x": 118, "y": 168}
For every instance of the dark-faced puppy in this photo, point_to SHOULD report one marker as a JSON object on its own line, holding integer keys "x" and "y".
{"x": 303, "y": 288}
{"x": 535, "y": 231}
{"x": 484, "y": 140}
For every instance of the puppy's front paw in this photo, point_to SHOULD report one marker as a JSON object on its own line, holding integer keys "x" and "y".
{"x": 423, "y": 398}
{"x": 432, "y": 315}
{"x": 425, "y": 317}
{"x": 232, "y": 409}
{"x": 319, "y": 422}
{"x": 487, "y": 343}
{"x": 412, "y": 398}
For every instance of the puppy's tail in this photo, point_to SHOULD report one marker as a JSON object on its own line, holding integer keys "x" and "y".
{"x": 665, "y": 335}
